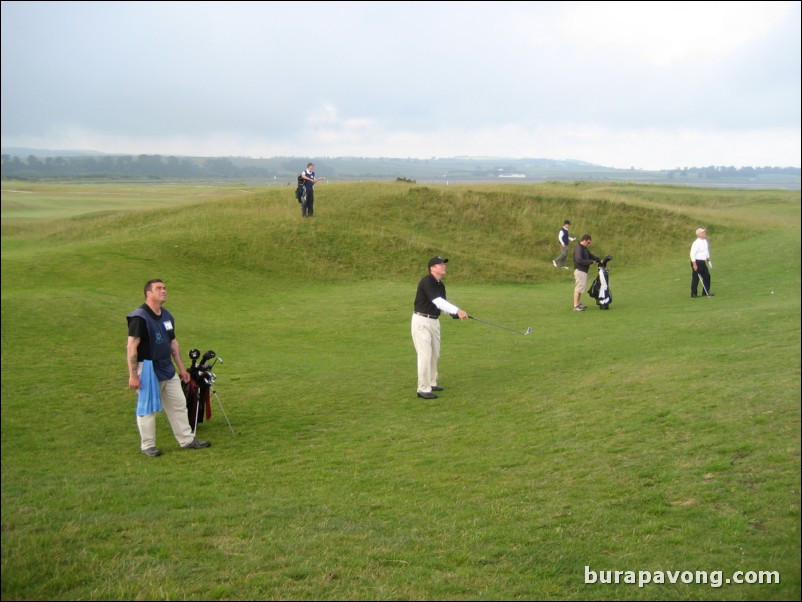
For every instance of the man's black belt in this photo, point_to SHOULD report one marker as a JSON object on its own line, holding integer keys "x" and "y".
{"x": 417, "y": 313}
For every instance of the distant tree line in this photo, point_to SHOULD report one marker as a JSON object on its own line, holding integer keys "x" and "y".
{"x": 721, "y": 173}
{"x": 126, "y": 166}
{"x": 159, "y": 167}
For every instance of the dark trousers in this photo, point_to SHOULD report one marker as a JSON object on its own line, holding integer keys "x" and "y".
{"x": 701, "y": 272}
{"x": 308, "y": 204}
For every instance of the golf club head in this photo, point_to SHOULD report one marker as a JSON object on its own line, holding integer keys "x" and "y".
{"x": 194, "y": 354}
{"x": 207, "y": 356}
{"x": 208, "y": 378}
{"x": 204, "y": 377}
{"x": 528, "y": 331}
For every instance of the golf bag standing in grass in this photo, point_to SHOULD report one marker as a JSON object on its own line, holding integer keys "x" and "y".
{"x": 198, "y": 390}
{"x": 600, "y": 289}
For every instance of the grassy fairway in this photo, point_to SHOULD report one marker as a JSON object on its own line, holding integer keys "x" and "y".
{"x": 662, "y": 435}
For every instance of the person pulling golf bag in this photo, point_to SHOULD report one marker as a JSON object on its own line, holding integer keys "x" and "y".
{"x": 600, "y": 289}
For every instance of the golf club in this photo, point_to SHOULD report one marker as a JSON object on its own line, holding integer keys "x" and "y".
{"x": 525, "y": 332}
{"x": 208, "y": 381}
{"x": 194, "y": 354}
{"x": 214, "y": 392}
{"x": 704, "y": 288}
{"x": 197, "y": 414}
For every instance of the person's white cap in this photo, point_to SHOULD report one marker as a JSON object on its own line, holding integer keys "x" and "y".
{"x": 699, "y": 231}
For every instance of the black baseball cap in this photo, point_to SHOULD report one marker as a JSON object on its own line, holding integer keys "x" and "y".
{"x": 436, "y": 260}
{"x": 567, "y": 222}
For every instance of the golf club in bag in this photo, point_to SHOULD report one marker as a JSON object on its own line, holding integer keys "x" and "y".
{"x": 600, "y": 289}
{"x": 200, "y": 388}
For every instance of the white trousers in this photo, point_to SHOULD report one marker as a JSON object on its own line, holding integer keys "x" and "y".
{"x": 426, "y": 338}
{"x": 174, "y": 405}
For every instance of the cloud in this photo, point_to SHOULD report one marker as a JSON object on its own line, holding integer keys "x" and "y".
{"x": 645, "y": 84}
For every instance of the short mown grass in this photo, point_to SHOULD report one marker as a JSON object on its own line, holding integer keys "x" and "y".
{"x": 662, "y": 435}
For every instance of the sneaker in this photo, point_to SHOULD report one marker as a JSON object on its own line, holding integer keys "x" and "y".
{"x": 152, "y": 452}
{"x": 436, "y": 388}
{"x": 554, "y": 262}
{"x": 197, "y": 444}
{"x": 582, "y": 306}
{"x": 426, "y": 395}
{"x": 565, "y": 267}
{"x": 579, "y": 308}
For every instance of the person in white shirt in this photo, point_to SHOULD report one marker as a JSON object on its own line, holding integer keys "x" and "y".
{"x": 700, "y": 256}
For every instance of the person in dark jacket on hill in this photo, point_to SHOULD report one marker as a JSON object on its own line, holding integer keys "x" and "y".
{"x": 583, "y": 259}
{"x": 308, "y": 178}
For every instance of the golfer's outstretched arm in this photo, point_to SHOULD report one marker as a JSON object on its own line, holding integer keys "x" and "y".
{"x": 449, "y": 308}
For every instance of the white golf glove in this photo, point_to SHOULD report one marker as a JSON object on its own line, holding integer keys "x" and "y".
{"x": 572, "y": 238}
{"x": 710, "y": 263}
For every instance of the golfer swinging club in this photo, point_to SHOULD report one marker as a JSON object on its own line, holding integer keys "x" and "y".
{"x": 430, "y": 301}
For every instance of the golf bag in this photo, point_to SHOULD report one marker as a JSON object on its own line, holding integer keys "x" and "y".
{"x": 199, "y": 402}
{"x": 198, "y": 389}
{"x": 300, "y": 191}
{"x": 600, "y": 288}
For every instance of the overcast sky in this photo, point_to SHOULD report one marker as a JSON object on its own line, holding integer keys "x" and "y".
{"x": 651, "y": 85}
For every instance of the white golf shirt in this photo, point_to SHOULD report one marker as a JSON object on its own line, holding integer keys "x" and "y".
{"x": 700, "y": 250}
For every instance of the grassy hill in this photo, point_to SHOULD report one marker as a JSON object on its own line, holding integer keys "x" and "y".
{"x": 662, "y": 435}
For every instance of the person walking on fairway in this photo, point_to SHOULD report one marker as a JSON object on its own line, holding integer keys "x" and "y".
{"x": 309, "y": 181}
{"x": 700, "y": 256}
{"x": 563, "y": 238}
{"x": 152, "y": 350}
{"x": 430, "y": 302}
{"x": 583, "y": 259}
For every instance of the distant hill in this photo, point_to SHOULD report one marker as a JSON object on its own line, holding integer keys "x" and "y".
{"x": 36, "y": 164}
{"x": 43, "y": 152}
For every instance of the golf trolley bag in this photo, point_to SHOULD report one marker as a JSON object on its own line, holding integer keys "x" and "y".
{"x": 600, "y": 289}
